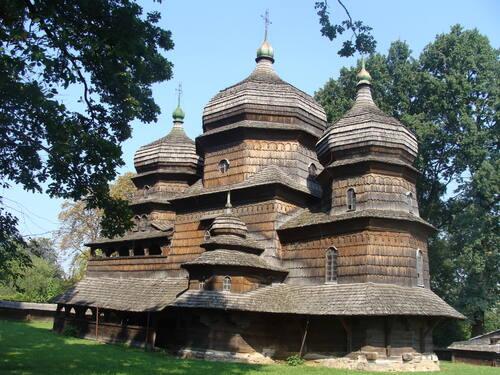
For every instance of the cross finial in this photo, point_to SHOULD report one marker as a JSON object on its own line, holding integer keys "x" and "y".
{"x": 179, "y": 94}
{"x": 267, "y": 22}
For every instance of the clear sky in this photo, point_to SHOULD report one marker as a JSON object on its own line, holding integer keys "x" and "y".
{"x": 215, "y": 44}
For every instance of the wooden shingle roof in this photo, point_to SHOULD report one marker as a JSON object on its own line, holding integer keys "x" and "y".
{"x": 233, "y": 258}
{"x": 306, "y": 217}
{"x": 363, "y": 299}
{"x": 130, "y": 294}
{"x": 264, "y": 92}
{"x": 268, "y": 175}
{"x": 176, "y": 149}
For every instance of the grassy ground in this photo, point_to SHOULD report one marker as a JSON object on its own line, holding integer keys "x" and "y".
{"x": 31, "y": 348}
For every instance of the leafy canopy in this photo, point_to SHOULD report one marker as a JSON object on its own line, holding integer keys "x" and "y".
{"x": 449, "y": 96}
{"x": 110, "y": 54}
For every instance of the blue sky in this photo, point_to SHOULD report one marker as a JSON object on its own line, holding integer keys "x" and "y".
{"x": 215, "y": 44}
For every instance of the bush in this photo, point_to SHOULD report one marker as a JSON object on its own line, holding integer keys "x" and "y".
{"x": 294, "y": 360}
{"x": 70, "y": 331}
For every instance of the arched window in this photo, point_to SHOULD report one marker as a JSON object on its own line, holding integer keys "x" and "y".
{"x": 331, "y": 265}
{"x": 223, "y": 166}
{"x": 351, "y": 199}
{"x": 226, "y": 284}
{"x": 409, "y": 196}
{"x": 201, "y": 285}
{"x": 420, "y": 268}
{"x": 144, "y": 222}
{"x": 146, "y": 190}
{"x": 313, "y": 170}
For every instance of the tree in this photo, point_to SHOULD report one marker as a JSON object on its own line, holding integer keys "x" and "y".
{"x": 449, "y": 97}
{"x": 81, "y": 225}
{"x": 110, "y": 53}
{"x": 40, "y": 282}
{"x": 360, "y": 33}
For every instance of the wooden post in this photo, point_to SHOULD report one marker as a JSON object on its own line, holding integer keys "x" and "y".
{"x": 348, "y": 331}
{"x": 97, "y": 324}
{"x": 387, "y": 335}
{"x": 147, "y": 333}
{"x": 304, "y": 339}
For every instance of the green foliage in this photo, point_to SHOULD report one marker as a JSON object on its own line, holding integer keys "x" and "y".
{"x": 42, "y": 281}
{"x": 361, "y": 33}
{"x": 44, "y": 352}
{"x": 110, "y": 53}
{"x": 294, "y": 360}
{"x": 449, "y": 97}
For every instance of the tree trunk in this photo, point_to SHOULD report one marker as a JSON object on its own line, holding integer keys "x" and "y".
{"x": 478, "y": 324}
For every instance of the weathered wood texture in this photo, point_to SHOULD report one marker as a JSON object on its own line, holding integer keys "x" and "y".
{"x": 275, "y": 335}
{"x": 248, "y": 156}
{"x": 375, "y": 191}
{"x": 260, "y": 218}
{"x": 366, "y": 256}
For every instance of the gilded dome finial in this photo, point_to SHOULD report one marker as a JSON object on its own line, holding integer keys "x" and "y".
{"x": 265, "y": 50}
{"x": 178, "y": 114}
{"x": 363, "y": 75}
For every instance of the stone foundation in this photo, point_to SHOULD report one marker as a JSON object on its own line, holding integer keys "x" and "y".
{"x": 218, "y": 355}
{"x": 408, "y": 362}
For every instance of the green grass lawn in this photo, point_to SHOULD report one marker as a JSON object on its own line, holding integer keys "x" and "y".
{"x": 31, "y": 348}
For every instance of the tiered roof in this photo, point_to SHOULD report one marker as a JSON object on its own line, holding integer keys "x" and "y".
{"x": 263, "y": 92}
{"x": 367, "y": 131}
{"x": 175, "y": 152}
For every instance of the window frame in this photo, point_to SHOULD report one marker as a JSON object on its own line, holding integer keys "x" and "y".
{"x": 351, "y": 199}
{"x": 419, "y": 267}
{"x": 312, "y": 170}
{"x": 226, "y": 284}
{"x": 331, "y": 265}
{"x": 223, "y": 162}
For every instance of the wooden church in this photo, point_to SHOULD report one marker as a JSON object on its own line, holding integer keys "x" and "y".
{"x": 273, "y": 234}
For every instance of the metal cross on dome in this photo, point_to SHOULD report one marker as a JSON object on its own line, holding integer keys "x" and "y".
{"x": 179, "y": 94}
{"x": 267, "y": 22}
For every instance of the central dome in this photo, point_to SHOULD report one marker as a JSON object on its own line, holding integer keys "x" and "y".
{"x": 264, "y": 96}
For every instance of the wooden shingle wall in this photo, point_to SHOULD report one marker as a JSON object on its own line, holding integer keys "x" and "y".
{"x": 366, "y": 256}
{"x": 260, "y": 218}
{"x": 249, "y": 156}
{"x": 375, "y": 191}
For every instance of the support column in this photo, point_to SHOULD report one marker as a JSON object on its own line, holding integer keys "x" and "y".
{"x": 348, "y": 330}
{"x": 388, "y": 335}
{"x": 146, "y": 251}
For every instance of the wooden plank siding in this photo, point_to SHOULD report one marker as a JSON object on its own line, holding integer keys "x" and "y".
{"x": 374, "y": 191}
{"x": 260, "y": 218}
{"x": 248, "y": 156}
{"x": 365, "y": 256}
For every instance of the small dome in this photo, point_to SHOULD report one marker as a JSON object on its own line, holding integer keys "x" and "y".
{"x": 365, "y": 130}
{"x": 174, "y": 153}
{"x": 178, "y": 114}
{"x": 265, "y": 51}
{"x": 228, "y": 224}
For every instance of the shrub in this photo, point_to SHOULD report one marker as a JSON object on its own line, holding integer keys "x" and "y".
{"x": 294, "y": 360}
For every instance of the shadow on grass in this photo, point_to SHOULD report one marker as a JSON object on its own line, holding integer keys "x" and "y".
{"x": 33, "y": 349}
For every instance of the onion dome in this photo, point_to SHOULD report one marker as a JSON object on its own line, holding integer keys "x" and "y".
{"x": 264, "y": 96}
{"x": 366, "y": 131}
{"x": 265, "y": 51}
{"x": 175, "y": 153}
